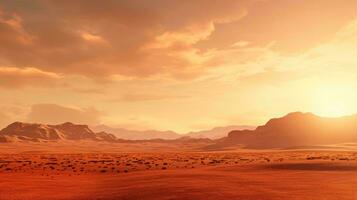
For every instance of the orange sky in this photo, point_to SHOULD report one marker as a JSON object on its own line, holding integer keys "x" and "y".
{"x": 178, "y": 65}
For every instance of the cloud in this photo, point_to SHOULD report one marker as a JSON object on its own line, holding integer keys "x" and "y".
{"x": 132, "y": 38}
{"x": 138, "y": 97}
{"x": 272, "y": 78}
{"x": 161, "y": 39}
{"x": 264, "y": 65}
{"x": 93, "y": 38}
{"x": 296, "y": 26}
{"x": 13, "y": 77}
{"x": 89, "y": 90}
{"x": 55, "y": 114}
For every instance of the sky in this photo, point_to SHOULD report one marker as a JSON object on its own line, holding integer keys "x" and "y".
{"x": 176, "y": 65}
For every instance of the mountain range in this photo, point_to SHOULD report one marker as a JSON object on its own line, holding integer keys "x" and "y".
{"x": 19, "y": 131}
{"x": 126, "y": 134}
{"x": 293, "y": 130}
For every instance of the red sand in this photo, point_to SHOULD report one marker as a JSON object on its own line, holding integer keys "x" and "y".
{"x": 303, "y": 178}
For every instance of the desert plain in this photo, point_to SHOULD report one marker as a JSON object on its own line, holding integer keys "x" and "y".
{"x": 118, "y": 172}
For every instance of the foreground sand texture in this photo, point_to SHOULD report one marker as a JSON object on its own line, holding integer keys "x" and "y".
{"x": 180, "y": 175}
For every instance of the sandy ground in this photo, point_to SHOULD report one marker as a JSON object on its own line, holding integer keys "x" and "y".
{"x": 97, "y": 147}
{"x": 180, "y": 175}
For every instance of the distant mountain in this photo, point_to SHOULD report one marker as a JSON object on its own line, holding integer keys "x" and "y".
{"x": 296, "y": 129}
{"x": 137, "y": 135}
{"x": 218, "y": 132}
{"x": 19, "y": 131}
{"x": 214, "y": 133}
{"x": 182, "y": 141}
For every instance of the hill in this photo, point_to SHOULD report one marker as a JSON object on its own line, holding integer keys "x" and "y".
{"x": 217, "y": 132}
{"x": 296, "y": 129}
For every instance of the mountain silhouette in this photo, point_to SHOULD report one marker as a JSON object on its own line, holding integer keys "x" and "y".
{"x": 19, "y": 131}
{"x": 293, "y": 130}
{"x": 296, "y": 129}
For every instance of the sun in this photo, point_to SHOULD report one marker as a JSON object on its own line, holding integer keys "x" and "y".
{"x": 334, "y": 100}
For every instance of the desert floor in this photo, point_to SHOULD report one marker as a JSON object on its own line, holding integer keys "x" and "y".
{"x": 180, "y": 175}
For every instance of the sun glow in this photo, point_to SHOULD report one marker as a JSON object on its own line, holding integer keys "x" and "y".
{"x": 334, "y": 100}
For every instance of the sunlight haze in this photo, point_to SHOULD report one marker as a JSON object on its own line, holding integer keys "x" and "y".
{"x": 175, "y": 66}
